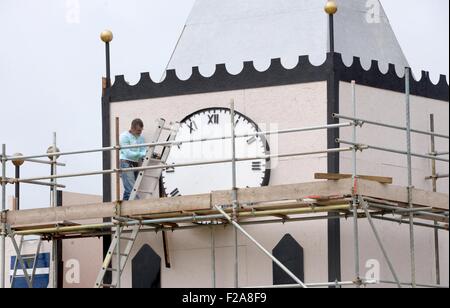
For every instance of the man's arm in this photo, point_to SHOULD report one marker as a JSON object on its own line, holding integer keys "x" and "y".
{"x": 142, "y": 150}
{"x": 132, "y": 154}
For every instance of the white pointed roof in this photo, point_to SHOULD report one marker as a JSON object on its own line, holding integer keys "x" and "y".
{"x": 234, "y": 31}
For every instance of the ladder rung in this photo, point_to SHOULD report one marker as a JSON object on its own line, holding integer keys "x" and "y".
{"x": 112, "y": 286}
{"x": 110, "y": 270}
{"x": 28, "y": 258}
{"x": 127, "y": 239}
{"x": 156, "y": 160}
{"x": 123, "y": 219}
{"x": 145, "y": 192}
{"x": 151, "y": 176}
{"x": 121, "y": 254}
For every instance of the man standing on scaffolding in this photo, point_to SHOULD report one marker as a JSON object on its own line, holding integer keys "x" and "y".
{"x": 131, "y": 158}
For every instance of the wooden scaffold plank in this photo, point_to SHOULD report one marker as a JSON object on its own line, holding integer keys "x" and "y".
{"x": 319, "y": 193}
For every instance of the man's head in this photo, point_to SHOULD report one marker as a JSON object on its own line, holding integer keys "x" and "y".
{"x": 137, "y": 126}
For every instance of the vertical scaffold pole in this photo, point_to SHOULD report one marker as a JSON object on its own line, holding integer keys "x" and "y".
{"x": 434, "y": 184}
{"x": 213, "y": 257}
{"x": 118, "y": 210}
{"x": 355, "y": 192}
{"x": 53, "y": 198}
{"x": 410, "y": 184}
{"x": 3, "y": 225}
{"x": 234, "y": 193}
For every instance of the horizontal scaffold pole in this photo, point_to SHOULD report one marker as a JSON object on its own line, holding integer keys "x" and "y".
{"x": 165, "y": 166}
{"x": 179, "y": 142}
{"x": 373, "y": 147}
{"x": 360, "y": 121}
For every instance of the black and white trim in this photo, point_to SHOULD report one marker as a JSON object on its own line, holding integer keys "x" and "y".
{"x": 275, "y": 75}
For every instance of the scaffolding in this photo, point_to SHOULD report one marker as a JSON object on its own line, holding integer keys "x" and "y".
{"x": 351, "y": 196}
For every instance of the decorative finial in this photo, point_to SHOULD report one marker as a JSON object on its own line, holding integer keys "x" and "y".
{"x": 106, "y": 36}
{"x": 18, "y": 162}
{"x": 52, "y": 150}
{"x": 331, "y": 7}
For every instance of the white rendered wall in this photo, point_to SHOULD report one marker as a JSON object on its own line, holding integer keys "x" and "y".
{"x": 293, "y": 106}
{"x": 82, "y": 257}
{"x": 286, "y": 107}
{"x": 389, "y": 107}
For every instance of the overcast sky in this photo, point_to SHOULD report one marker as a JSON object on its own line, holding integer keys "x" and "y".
{"x": 52, "y": 61}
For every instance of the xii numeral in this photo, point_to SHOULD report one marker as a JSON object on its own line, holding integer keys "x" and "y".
{"x": 213, "y": 119}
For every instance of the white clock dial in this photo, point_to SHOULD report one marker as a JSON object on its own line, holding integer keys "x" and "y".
{"x": 213, "y": 123}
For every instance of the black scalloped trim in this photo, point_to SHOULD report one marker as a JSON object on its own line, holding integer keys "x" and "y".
{"x": 391, "y": 81}
{"x": 275, "y": 75}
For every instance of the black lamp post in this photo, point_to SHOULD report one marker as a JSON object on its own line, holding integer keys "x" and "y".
{"x": 107, "y": 37}
{"x": 331, "y": 9}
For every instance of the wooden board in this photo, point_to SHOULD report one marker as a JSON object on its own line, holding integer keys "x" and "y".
{"x": 250, "y": 196}
{"x": 106, "y": 210}
{"x": 285, "y": 192}
{"x": 399, "y": 194}
{"x": 338, "y": 176}
{"x": 50, "y": 215}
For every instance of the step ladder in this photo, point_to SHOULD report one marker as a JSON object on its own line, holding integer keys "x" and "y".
{"x": 25, "y": 261}
{"x": 146, "y": 187}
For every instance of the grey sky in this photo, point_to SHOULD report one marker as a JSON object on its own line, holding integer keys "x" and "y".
{"x": 51, "y": 63}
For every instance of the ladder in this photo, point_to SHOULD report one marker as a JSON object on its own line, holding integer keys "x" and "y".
{"x": 147, "y": 181}
{"x": 24, "y": 260}
{"x": 145, "y": 187}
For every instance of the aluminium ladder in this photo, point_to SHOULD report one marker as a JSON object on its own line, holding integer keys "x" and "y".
{"x": 23, "y": 260}
{"x": 145, "y": 187}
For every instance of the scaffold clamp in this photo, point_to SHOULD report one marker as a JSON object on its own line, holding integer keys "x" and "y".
{"x": 3, "y": 216}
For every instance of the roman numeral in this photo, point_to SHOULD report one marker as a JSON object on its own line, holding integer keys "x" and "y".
{"x": 256, "y": 166}
{"x": 192, "y": 127}
{"x": 175, "y": 193}
{"x": 213, "y": 119}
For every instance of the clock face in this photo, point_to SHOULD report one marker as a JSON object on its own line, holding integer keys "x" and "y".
{"x": 213, "y": 123}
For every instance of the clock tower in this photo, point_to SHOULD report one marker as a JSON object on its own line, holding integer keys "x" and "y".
{"x": 273, "y": 59}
